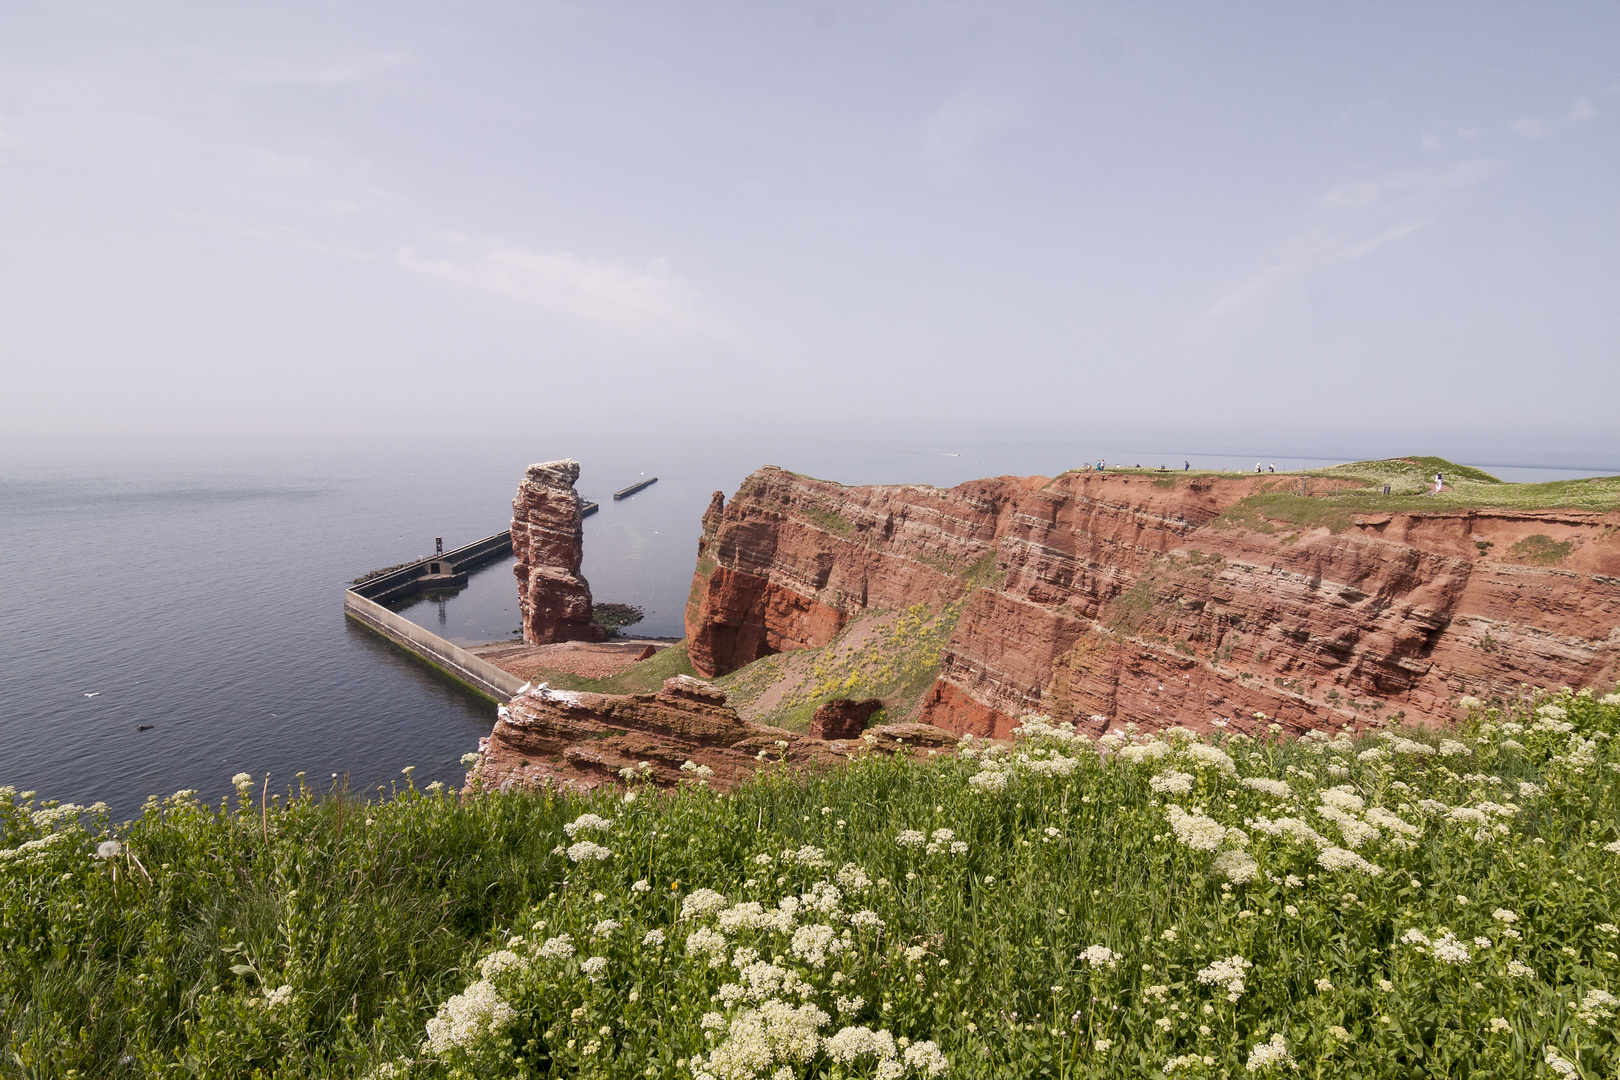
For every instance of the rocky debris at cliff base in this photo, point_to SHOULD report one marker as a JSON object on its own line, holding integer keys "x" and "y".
{"x": 685, "y": 731}
{"x": 590, "y": 660}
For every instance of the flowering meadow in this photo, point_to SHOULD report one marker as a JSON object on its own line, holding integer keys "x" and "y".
{"x": 1396, "y": 904}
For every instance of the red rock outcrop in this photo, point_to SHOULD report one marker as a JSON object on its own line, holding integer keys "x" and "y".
{"x": 1140, "y": 598}
{"x": 843, "y": 718}
{"x": 554, "y": 598}
{"x": 581, "y": 741}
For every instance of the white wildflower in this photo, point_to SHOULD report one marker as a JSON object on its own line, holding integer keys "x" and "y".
{"x": 851, "y": 1043}
{"x": 812, "y": 944}
{"x": 1520, "y": 971}
{"x": 1596, "y": 1006}
{"x": 1449, "y": 949}
{"x": 1268, "y": 1054}
{"x": 707, "y": 942}
{"x": 1334, "y": 858}
{"x": 1171, "y": 783}
{"x": 594, "y": 967}
{"x": 1343, "y": 797}
{"x": 1100, "y": 956}
{"x": 1277, "y": 789}
{"x": 1197, "y": 831}
{"x": 925, "y": 1058}
{"x": 588, "y": 851}
{"x": 468, "y": 1017}
{"x": 1236, "y": 866}
{"x": 1227, "y": 974}
{"x": 497, "y": 962}
{"x": 701, "y": 902}
{"x": 653, "y": 938}
{"x": 1558, "y": 1064}
{"x": 560, "y": 947}
{"x": 853, "y": 878}
{"x": 587, "y": 822}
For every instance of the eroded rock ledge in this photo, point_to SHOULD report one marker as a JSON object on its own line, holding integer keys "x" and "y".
{"x": 581, "y": 740}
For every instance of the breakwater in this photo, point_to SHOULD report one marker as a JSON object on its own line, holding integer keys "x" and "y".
{"x": 625, "y": 493}
{"x": 363, "y": 602}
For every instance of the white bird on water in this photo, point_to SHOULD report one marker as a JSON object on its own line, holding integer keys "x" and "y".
{"x": 95, "y": 694}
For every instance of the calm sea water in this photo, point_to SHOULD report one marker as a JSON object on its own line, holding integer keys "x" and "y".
{"x": 174, "y": 606}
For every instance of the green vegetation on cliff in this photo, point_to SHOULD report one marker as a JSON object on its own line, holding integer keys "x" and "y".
{"x": 1416, "y": 904}
{"x": 893, "y": 655}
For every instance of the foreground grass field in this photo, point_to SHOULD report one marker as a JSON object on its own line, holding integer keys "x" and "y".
{"x": 1413, "y": 904}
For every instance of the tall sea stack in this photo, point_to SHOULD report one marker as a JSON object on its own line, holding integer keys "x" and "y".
{"x": 553, "y": 596}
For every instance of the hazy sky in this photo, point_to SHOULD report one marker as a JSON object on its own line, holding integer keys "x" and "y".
{"x": 1308, "y": 220}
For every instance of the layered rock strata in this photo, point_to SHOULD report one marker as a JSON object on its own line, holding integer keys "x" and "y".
{"x": 580, "y": 740}
{"x": 554, "y": 598}
{"x": 1163, "y": 600}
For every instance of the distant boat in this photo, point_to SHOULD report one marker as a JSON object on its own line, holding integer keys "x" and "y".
{"x": 633, "y": 488}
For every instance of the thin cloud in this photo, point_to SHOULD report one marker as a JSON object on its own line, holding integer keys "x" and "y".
{"x": 1583, "y": 109}
{"x": 1356, "y": 219}
{"x": 1531, "y": 128}
{"x": 346, "y": 71}
{"x": 639, "y": 300}
{"x": 969, "y": 118}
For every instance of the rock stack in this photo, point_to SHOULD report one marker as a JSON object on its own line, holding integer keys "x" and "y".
{"x": 553, "y": 596}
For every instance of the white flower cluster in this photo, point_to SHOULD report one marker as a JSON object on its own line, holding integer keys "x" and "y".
{"x": 1596, "y": 1006}
{"x": 1236, "y": 866}
{"x": 1171, "y": 783}
{"x": 587, "y": 822}
{"x": 467, "y": 1018}
{"x": 1336, "y": 858}
{"x": 1204, "y": 755}
{"x": 560, "y": 947}
{"x": 758, "y": 1038}
{"x": 588, "y": 851}
{"x": 808, "y": 856}
{"x": 1227, "y": 974}
{"x": 1268, "y": 1055}
{"x": 701, "y": 902}
{"x": 1277, "y": 789}
{"x": 1100, "y": 956}
{"x": 497, "y": 962}
{"x": 1198, "y": 831}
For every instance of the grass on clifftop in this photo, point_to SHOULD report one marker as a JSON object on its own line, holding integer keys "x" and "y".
{"x": 1411, "y": 485}
{"x": 1415, "y": 904}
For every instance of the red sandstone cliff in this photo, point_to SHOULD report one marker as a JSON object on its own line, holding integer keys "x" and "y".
{"x": 1133, "y": 598}
{"x": 553, "y": 596}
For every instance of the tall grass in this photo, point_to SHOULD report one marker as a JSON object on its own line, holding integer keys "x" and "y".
{"x": 1411, "y": 905}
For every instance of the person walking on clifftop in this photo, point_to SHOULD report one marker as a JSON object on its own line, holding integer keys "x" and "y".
{"x": 1439, "y": 482}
